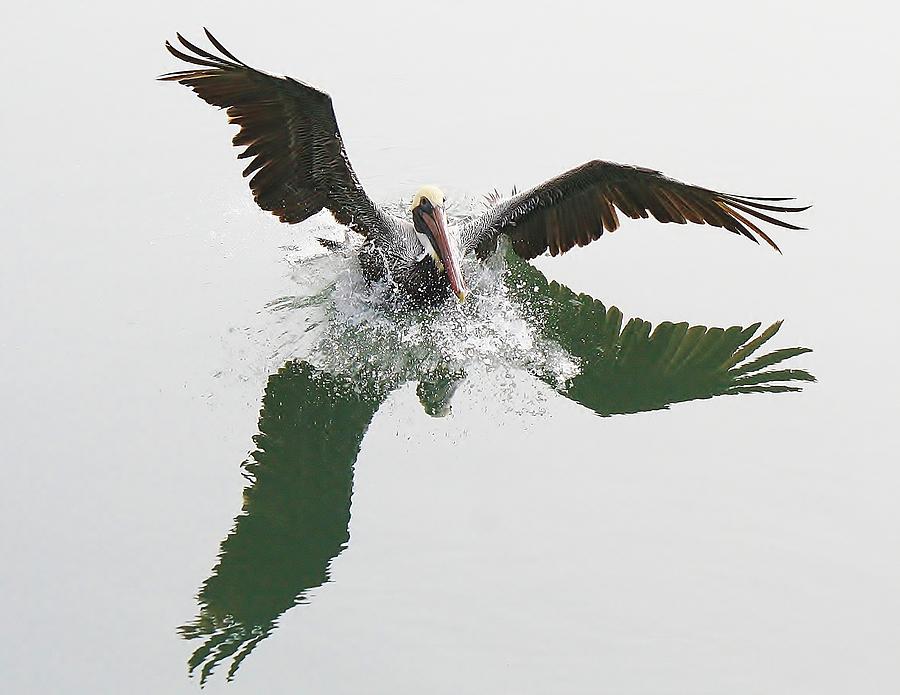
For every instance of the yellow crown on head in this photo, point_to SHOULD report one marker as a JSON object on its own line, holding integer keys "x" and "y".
{"x": 433, "y": 193}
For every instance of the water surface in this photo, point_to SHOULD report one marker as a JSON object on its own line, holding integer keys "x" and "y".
{"x": 191, "y": 452}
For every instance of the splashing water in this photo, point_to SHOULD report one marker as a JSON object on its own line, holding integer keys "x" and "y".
{"x": 341, "y": 323}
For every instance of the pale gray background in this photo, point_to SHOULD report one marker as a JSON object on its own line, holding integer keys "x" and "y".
{"x": 740, "y": 545}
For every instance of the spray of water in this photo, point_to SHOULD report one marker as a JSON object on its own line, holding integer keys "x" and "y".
{"x": 343, "y": 324}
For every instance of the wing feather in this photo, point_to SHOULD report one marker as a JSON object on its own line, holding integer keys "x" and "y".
{"x": 577, "y": 206}
{"x": 297, "y": 157}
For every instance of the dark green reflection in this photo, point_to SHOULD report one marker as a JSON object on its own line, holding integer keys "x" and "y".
{"x": 296, "y": 511}
{"x": 295, "y": 516}
{"x": 635, "y": 368}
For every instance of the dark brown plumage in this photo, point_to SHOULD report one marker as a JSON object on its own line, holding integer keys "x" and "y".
{"x": 290, "y": 133}
{"x": 299, "y": 166}
{"x": 576, "y": 207}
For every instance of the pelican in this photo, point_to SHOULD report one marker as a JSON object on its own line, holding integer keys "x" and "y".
{"x": 291, "y": 137}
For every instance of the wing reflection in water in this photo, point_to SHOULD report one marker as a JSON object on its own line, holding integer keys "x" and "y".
{"x": 635, "y": 368}
{"x": 296, "y": 512}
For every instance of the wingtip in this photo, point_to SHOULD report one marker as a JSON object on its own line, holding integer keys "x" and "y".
{"x": 771, "y": 243}
{"x": 209, "y": 35}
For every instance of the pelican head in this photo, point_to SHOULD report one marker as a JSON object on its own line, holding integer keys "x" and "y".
{"x": 428, "y": 218}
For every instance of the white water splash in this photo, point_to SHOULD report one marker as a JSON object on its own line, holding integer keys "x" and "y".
{"x": 341, "y": 323}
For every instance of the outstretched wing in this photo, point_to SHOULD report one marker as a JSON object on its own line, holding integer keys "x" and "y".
{"x": 291, "y": 138}
{"x": 576, "y": 207}
{"x": 295, "y": 516}
{"x": 635, "y": 367}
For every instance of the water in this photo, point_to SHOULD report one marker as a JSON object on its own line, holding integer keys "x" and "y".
{"x": 223, "y": 449}
{"x": 317, "y": 407}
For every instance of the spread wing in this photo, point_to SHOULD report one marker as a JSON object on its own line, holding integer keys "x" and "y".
{"x": 630, "y": 367}
{"x": 576, "y": 207}
{"x": 290, "y": 133}
{"x": 295, "y": 515}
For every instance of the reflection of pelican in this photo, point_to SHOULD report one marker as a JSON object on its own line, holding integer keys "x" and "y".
{"x": 296, "y": 514}
{"x": 295, "y": 148}
{"x": 297, "y": 510}
{"x": 634, "y": 368}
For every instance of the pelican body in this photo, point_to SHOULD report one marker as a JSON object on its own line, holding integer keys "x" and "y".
{"x": 421, "y": 258}
{"x": 300, "y": 166}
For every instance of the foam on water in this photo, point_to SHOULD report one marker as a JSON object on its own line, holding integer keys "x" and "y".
{"x": 343, "y": 324}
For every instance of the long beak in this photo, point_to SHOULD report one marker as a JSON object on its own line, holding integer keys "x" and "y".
{"x": 447, "y": 251}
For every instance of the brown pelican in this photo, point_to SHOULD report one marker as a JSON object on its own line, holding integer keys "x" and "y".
{"x": 294, "y": 145}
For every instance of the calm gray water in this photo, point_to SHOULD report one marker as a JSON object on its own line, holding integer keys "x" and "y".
{"x": 524, "y": 543}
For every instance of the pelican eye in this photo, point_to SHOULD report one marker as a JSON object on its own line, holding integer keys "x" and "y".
{"x": 426, "y": 204}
